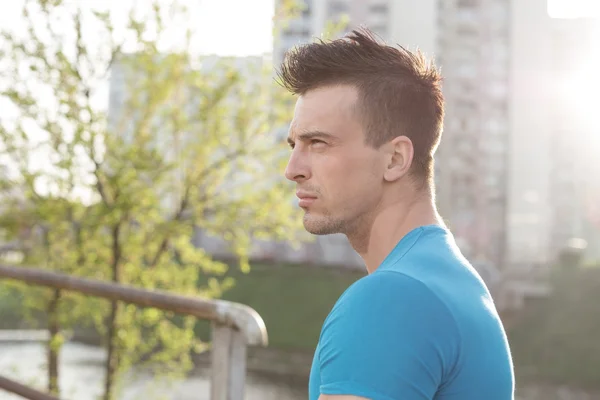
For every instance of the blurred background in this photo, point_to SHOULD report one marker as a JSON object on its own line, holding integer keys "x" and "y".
{"x": 142, "y": 142}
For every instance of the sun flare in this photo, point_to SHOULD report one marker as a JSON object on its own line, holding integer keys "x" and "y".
{"x": 574, "y": 8}
{"x": 580, "y": 94}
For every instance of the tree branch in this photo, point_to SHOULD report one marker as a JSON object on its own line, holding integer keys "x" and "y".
{"x": 193, "y": 183}
{"x": 177, "y": 217}
{"x": 99, "y": 184}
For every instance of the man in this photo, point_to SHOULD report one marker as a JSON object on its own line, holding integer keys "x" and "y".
{"x": 421, "y": 325}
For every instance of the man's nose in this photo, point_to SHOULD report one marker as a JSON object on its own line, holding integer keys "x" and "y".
{"x": 297, "y": 169}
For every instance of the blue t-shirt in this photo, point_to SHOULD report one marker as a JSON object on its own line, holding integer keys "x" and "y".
{"x": 423, "y": 326}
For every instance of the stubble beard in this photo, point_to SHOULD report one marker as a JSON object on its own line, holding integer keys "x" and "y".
{"x": 323, "y": 224}
{"x": 326, "y": 224}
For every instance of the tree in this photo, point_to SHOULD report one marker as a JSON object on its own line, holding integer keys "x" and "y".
{"x": 119, "y": 194}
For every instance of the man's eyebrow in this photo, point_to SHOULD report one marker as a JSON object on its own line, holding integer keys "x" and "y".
{"x": 308, "y": 135}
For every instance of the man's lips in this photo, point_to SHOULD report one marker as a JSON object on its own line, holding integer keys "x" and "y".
{"x": 306, "y": 199}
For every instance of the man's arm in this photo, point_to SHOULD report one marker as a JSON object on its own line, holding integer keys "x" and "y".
{"x": 389, "y": 337}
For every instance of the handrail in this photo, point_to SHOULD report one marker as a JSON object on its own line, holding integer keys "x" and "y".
{"x": 224, "y": 312}
{"x": 235, "y": 326}
{"x": 25, "y": 391}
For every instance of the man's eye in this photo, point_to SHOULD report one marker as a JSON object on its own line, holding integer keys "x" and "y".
{"x": 316, "y": 142}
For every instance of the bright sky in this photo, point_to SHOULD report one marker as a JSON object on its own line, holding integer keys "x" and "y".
{"x": 229, "y": 27}
{"x": 239, "y": 27}
{"x": 243, "y": 27}
{"x": 574, "y": 8}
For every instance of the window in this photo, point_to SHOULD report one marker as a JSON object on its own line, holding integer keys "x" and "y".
{"x": 380, "y": 30}
{"x": 467, "y": 30}
{"x": 337, "y": 7}
{"x": 467, "y": 3}
{"x": 379, "y": 8}
{"x": 306, "y": 8}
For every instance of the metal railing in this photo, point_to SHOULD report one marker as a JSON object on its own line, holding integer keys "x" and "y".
{"x": 234, "y": 326}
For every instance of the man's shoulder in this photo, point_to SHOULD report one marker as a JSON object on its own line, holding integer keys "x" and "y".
{"x": 389, "y": 292}
{"x": 387, "y": 282}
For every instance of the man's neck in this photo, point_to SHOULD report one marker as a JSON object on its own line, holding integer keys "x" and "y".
{"x": 389, "y": 226}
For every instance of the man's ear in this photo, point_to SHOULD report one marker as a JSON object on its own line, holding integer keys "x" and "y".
{"x": 401, "y": 153}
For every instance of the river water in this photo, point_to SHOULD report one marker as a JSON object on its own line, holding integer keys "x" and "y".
{"x": 81, "y": 377}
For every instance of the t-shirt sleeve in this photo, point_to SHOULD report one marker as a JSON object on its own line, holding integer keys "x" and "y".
{"x": 389, "y": 337}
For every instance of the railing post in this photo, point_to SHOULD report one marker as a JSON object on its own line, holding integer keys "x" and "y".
{"x": 228, "y": 363}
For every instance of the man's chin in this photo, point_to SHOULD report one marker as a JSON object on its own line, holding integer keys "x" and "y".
{"x": 316, "y": 231}
{"x": 319, "y": 225}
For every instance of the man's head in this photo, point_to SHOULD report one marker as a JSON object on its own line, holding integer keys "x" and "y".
{"x": 366, "y": 125}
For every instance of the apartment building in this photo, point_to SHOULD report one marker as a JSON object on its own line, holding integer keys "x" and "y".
{"x": 505, "y": 177}
{"x": 394, "y": 20}
{"x": 553, "y": 154}
{"x": 397, "y": 21}
{"x": 471, "y": 164}
{"x": 516, "y": 177}
{"x": 576, "y": 132}
{"x": 469, "y": 39}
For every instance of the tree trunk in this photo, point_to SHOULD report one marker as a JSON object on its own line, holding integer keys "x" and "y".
{"x": 112, "y": 358}
{"x": 54, "y": 345}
